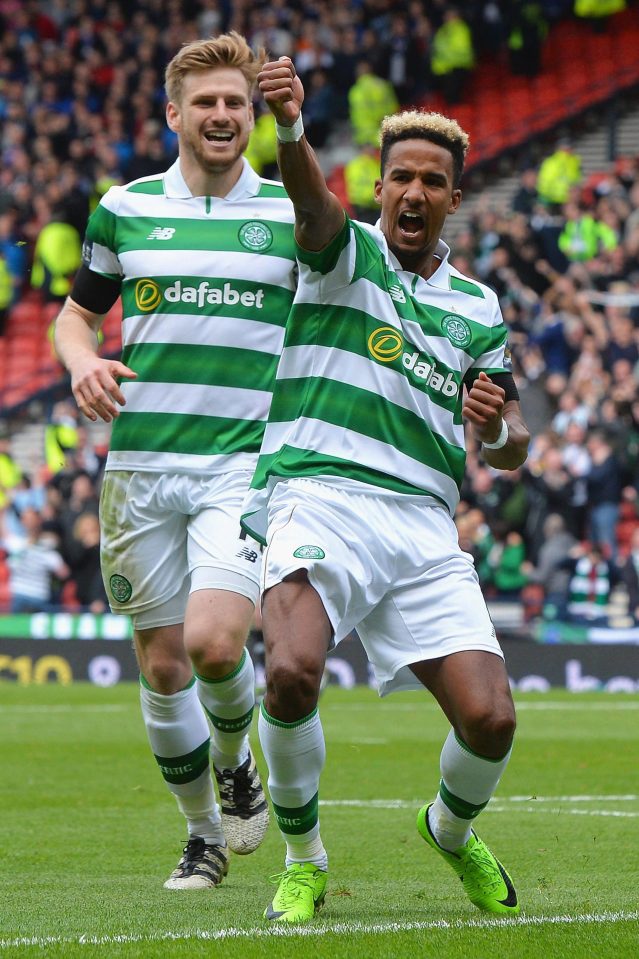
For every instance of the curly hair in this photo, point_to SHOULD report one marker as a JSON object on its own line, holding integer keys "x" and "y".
{"x": 419, "y": 124}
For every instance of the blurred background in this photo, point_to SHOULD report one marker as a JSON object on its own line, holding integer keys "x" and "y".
{"x": 549, "y": 93}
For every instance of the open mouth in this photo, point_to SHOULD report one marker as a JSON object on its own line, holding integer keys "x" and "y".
{"x": 411, "y": 223}
{"x": 218, "y": 136}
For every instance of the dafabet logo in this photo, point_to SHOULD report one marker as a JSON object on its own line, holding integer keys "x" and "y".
{"x": 148, "y": 296}
{"x": 385, "y": 344}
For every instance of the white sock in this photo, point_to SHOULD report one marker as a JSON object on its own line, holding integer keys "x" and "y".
{"x": 467, "y": 784}
{"x": 179, "y": 737}
{"x": 295, "y": 754}
{"x": 229, "y": 704}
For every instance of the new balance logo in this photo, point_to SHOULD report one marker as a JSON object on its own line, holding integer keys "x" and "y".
{"x": 161, "y": 233}
{"x": 248, "y": 554}
{"x": 397, "y": 294}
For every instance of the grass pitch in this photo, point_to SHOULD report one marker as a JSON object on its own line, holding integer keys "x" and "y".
{"x": 89, "y": 834}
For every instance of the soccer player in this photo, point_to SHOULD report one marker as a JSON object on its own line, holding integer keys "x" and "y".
{"x": 204, "y": 260}
{"x": 358, "y": 479}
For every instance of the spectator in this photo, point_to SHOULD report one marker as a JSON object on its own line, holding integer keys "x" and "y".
{"x": 598, "y": 12}
{"x": 360, "y": 175}
{"x": 82, "y": 553}
{"x": 591, "y": 579}
{"x": 507, "y": 560}
{"x": 10, "y": 472}
{"x": 551, "y": 570}
{"x": 33, "y": 562}
{"x": 629, "y": 574}
{"x": 604, "y": 492}
{"x": 558, "y": 174}
{"x": 318, "y": 108}
{"x": 526, "y": 197}
{"x": 370, "y": 99}
{"x": 404, "y": 60}
{"x": 452, "y": 56}
{"x": 528, "y": 29}
{"x": 61, "y": 435}
{"x": 56, "y": 258}
{"x": 583, "y": 237}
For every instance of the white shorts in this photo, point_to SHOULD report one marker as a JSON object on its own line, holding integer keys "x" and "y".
{"x": 387, "y": 566}
{"x": 165, "y": 536}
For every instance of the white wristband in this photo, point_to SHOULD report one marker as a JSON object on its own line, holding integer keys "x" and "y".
{"x": 501, "y": 440}
{"x": 290, "y": 134}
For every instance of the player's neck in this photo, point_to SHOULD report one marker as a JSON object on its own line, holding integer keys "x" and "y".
{"x": 204, "y": 183}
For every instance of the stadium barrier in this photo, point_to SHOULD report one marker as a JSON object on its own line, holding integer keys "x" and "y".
{"x": 67, "y": 648}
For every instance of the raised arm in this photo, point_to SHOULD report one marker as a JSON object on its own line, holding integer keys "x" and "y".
{"x": 496, "y": 421}
{"x": 319, "y": 215}
{"x": 93, "y": 379}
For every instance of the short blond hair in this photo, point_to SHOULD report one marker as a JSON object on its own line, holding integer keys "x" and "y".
{"x": 227, "y": 50}
{"x": 419, "y": 124}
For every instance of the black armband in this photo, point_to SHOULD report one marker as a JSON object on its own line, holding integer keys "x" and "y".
{"x": 505, "y": 380}
{"x": 93, "y": 291}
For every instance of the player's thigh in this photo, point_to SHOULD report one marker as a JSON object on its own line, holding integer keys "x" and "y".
{"x": 216, "y": 628}
{"x": 434, "y": 606}
{"x": 220, "y": 555}
{"x": 314, "y": 528}
{"x": 143, "y": 545}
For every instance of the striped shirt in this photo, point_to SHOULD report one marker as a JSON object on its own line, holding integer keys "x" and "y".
{"x": 206, "y": 286}
{"x": 369, "y": 388}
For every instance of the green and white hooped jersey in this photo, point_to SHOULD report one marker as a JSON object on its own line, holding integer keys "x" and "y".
{"x": 206, "y": 286}
{"x": 369, "y": 387}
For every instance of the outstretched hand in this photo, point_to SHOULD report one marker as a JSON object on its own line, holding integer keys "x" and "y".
{"x": 282, "y": 90}
{"x": 95, "y": 387}
{"x": 484, "y": 407}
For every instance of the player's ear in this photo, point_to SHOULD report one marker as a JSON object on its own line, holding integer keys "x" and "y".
{"x": 172, "y": 117}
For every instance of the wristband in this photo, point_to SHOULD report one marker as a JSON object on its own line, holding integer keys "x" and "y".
{"x": 501, "y": 440}
{"x": 290, "y": 134}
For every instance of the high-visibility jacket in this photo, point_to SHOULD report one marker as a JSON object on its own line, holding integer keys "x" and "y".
{"x": 583, "y": 239}
{"x": 598, "y": 8}
{"x": 360, "y": 176}
{"x": 370, "y": 99}
{"x": 6, "y": 284}
{"x": 262, "y": 145}
{"x": 10, "y": 476}
{"x": 557, "y": 174}
{"x": 452, "y": 48}
{"x": 58, "y": 254}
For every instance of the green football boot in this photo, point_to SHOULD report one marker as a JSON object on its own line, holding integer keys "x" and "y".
{"x": 485, "y": 881}
{"x": 299, "y": 895}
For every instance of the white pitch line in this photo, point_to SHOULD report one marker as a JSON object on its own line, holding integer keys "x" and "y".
{"x": 562, "y": 810}
{"x": 582, "y": 798}
{"x": 66, "y": 708}
{"x": 493, "y": 807}
{"x": 498, "y": 804}
{"x": 545, "y": 705}
{"x": 336, "y": 929}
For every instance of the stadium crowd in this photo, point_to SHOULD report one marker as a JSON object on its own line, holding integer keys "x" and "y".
{"x": 82, "y": 107}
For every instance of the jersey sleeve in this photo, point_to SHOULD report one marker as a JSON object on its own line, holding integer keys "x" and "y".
{"x": 351, "y": 254}
{"x": 495, "y": 357}
{"x": 99, "y": 251}
{"x": 97, "y": 284}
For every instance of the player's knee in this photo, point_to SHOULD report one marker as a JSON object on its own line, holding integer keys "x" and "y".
{"x": 215, "y": 656}
{"x": 489, "y": 729}
{"x": 216, "y": 653}
{"x": 293, "y": 686}
{"x": 166, "y": 674}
